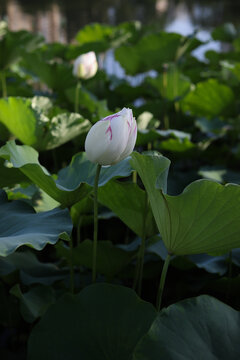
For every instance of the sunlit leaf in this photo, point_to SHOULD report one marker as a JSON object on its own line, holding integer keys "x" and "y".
{"x": 204, "y": 218}
{"x": 38, "y": 123}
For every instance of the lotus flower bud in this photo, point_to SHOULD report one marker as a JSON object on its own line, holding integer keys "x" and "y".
{"x": 85, "y": 66}
{"x": 112, "y": 139}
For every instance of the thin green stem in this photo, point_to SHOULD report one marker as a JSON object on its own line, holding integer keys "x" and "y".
{"x": 140, "y": 261}
{"x": 134, "y": 177}
{"x": 166, "y": 122}
{"x": 230, "y": 264}
{"x": 79, "y": 230}
{"x": 77, "y": 96}
{"x": 162, "y": 282}
{"x": 71, "y": 267}
{"x": 95, "y": 224}
{"x": 4, "y": 85}
{"x": 229, "y": 279}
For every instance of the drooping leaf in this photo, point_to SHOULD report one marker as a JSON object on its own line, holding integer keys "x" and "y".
{"x": 20, "y": 225}
{"x": 74, "y": 182}
{"x": 35, "y": 302}
{"x": 197, "y": 328}
{"x": 205, "y": 218}
{"x": 10, "y": 176}
{"x": 212, "y": 264}
{"x": 31, "y": 270}
{"x": 81, "y": 170}
{"x": 111, "y": 317}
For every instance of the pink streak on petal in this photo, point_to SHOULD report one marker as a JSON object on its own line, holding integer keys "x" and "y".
{"x": 109, "y": 129}
{"x": 110, "y": 117}
{"x": 135, "y": 129}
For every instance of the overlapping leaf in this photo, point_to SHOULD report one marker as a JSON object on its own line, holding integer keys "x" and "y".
{"x": 20, "y": 225}
{"x": 205, "y": 218}
{"x": 127, "y": 200}
{"x": 210, "y": 98}
{"x": 111, "y": 317}
{"x": 74, "y": 182}
{"x": 192, "y": 329}
{"x": 38, "y": 123}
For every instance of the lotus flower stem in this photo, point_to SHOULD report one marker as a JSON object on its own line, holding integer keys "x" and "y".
{"x": 95, "y": 231}
{"x": 79, "y": 229}
{"x": 162, "y": 282}
{"x": 140, "y": 260}
{"x": 4, "y": 85}
{"x": 77, "y": 96}
{"x": 71, "y": 266}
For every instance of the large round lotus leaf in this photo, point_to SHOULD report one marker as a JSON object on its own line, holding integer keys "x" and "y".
{"x": 20, "y": 225}
{"x": 199, "y": 328}
{"x": 102, "y": 322}
{"x": 204, "y": 218}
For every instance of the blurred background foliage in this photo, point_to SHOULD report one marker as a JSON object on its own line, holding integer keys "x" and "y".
{"x": 177, "y": 65}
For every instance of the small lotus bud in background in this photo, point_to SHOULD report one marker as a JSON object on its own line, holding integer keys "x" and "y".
{"x": 85, "y": 66}
{"x": 112, "y": 139}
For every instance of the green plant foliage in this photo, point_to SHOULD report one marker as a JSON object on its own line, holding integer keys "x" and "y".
{"x": 38, "y": 123}
{"x": 210, "y": 98}
{"x": 69, "y": 328}
{"x": 226, "y": 32}
{"x": 14, "y": 44}
{"x": 31, "y": 270}
{"x": 53, "y": 74}
{"x": 185, "y": 108}
{"x": 20, "y": 225}
{"x": 127, "y": 201}
{"x": 151, "y": 52}
{"x": 171, "y": 84}
{"x": 177, "y": 145}
{"x": 35, "y": 302}
{"x": 71, "y": 175}
{"x": 203, "y": 219}
{"x": 191, "y": 329}
{"x": 100, "y": 37}
{"x": 94, "y": 33}
{"x": 10, "y": 176}
{"x": 110, "y": 259}
{"x": 73, "y": 182}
